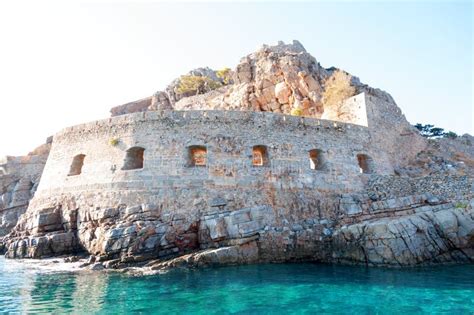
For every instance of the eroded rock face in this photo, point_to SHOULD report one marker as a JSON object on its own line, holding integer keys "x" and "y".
{"x": 274, "y": 78}
{"x": 135, "y": 107}
{"x": 433, "y": 235}
{"x": 445, "y": 155}
{"x": 19, "y": 178}
{"x": 395, "y": 228}
{"x": 277, "y": 79}
{"x": 166, "y": 100}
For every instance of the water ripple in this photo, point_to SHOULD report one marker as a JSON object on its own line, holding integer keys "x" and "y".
{"x": 264, "y": 289}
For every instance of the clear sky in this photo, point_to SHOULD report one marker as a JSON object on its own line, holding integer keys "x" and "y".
{"x": 64, "y": 64}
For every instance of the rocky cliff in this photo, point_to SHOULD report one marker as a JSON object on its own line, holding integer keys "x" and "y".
{"x": 19, "y": 179}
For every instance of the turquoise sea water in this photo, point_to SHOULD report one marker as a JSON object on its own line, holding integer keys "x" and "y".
{"x": 259, "y": 289}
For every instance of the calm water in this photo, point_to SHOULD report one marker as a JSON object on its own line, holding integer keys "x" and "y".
{"x": 274, "y": 289}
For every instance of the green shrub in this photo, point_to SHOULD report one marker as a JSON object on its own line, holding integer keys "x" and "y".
{"x": 296, "y": 111}
{"x": 460, "y": 205}
{"x": 114, "y": 141}
{"x": 224, "y": 75}
{"x": 193, "y": 84}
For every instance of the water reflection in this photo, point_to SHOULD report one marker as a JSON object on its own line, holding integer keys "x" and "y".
{"x": 278, "y": 289}
{"x": 90, "y": 292}
{"x": 28, "y": 290}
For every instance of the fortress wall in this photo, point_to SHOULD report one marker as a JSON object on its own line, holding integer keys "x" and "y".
{"x": 352, "y": 110}
{"x": 168, "y": 194}
{"x": 356, "y": 109}
{"x": 454, "y": 188}
{"x": 229, "y": 137}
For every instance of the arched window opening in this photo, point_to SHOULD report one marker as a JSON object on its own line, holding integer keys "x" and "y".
{"x": 316, "y": 161}
{"x": 197, "y": 155}
{"x": 76, "y": 165}
{"x": 365, "y": 164}
{"x": 133, "y": 159}
{"x": 260, "y": 155}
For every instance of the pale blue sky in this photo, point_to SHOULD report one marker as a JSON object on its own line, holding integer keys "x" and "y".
{"x": 63, "y": 64}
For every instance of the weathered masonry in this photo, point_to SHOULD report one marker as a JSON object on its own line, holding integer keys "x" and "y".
{"x": 197, "y": 156}
{"x": 157, "y": 149}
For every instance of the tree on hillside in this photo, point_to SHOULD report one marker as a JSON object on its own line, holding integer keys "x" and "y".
{"x": 451, "y": 135}
{"x": 430, "y": 131}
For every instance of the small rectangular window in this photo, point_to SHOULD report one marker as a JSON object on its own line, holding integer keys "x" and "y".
{"x": 197, "y": 156}
{"x": 316, "y": 161}
{"x": 133, "y": 158}
{"x": 76, "y": 165}
{"x": 365, "y": 163}
{"x": 260, "y": 155}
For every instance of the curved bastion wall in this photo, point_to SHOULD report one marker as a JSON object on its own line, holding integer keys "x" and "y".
{"x": 228, "y": 137}
{"x": 168, "y": 206}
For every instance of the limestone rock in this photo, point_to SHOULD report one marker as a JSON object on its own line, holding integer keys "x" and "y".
{"x": 426, "y": 237}
{"x": 19, "y": 179}
{"x": 141, "y": 105}
{"x": 282, "y": 93}
{"x": 231, "y": 255}
{"x": 160, "y": 101}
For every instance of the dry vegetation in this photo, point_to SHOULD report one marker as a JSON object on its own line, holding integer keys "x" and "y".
{"x": 193, "y": 85}
{"x": 337, "y": 88}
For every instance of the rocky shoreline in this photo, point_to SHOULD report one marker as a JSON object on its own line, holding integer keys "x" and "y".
{"x": 433, "y": 234}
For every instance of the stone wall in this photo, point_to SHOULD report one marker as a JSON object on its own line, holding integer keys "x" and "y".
{"x": 390, "y": 130}
{"x": 451, "y": 187}
{"x": 229, "y": 137}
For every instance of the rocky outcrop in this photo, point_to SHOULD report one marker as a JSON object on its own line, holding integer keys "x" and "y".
{"x": 275, "y": 78}
{"x": 432, "y": 235}
{"x": 19, "y": 178}
{"x": 444, "y": 155}
{"x": 383, "y": 226}
{"x": 166, "y": 100}
{"x": 246, "y": 253}
{"x": 134, "y": 107}
{"x": 278, "y": 79}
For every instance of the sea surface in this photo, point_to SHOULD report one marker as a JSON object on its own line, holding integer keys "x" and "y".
{"x": 256, "y": 289}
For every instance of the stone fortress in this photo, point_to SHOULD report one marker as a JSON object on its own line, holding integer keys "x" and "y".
{"x": 228, "y": 176}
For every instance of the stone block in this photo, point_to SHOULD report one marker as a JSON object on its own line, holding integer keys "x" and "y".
{"x": 240, "y": 216}
{"x": 249, "y": 228}
{"x": 48, "y": 218}
{"x": 218, "y": 202}
{"x": 352, "y": 208}
{"x": 217, "y": 228}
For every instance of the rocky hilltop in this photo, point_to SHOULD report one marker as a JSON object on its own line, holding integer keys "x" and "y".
{"x": 273, "y": 79}
{"x": 209, "y": 171}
